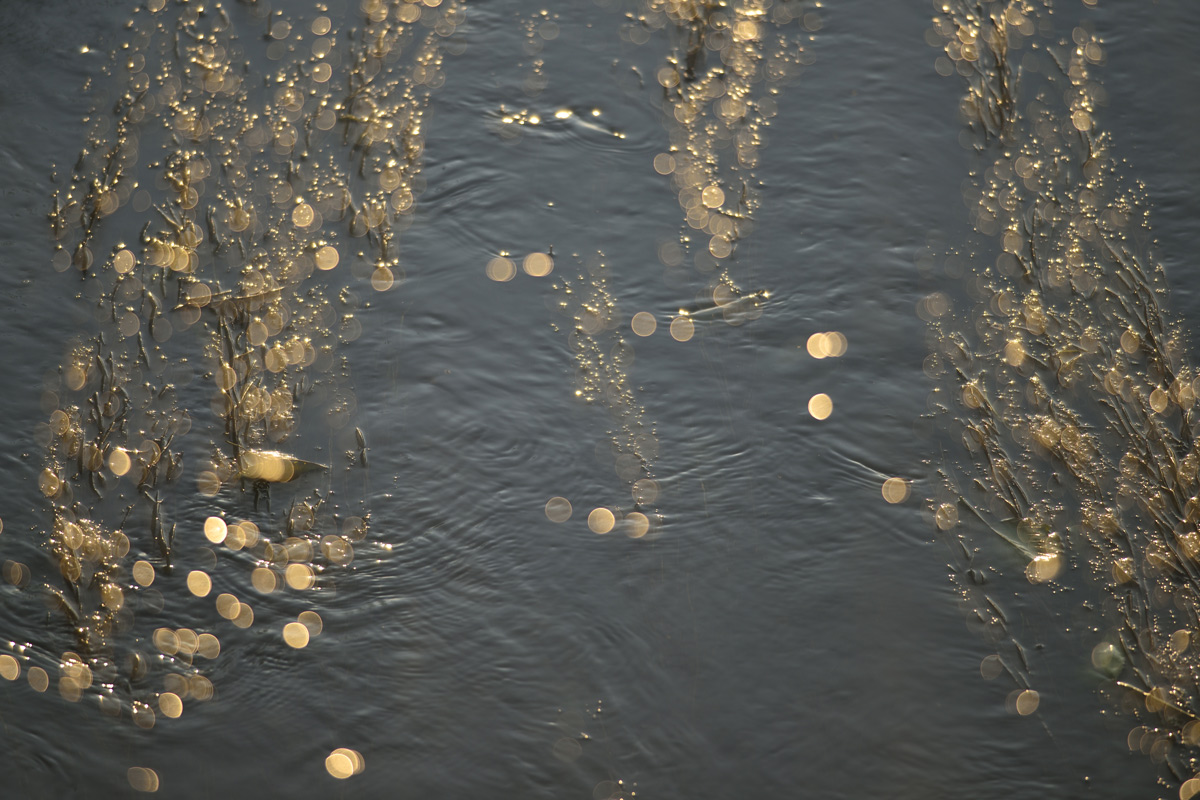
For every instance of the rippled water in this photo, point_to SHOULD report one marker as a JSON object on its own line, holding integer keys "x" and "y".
{"x": 779, "y": 627}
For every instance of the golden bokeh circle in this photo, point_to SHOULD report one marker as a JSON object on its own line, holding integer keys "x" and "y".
{"x": 820, "y": 406}
{"x": 895, "y": 490}
{"x": 682, "y": 329}
{"x": 601, "y": 520}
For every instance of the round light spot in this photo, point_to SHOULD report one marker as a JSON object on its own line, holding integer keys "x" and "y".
{"x": 264, "y": 580}
{"x": 38, "y": 679}
{"x": 382, "y": 279}
{"x": 311, "y": 620}
{"x": 1044, "y": 568}
{"x": 895, "y": 490}
{"x": 199, "y": 583}
{"x": 501, "y": 269}
{"x": 142, "y": 779}
{"x": 339, "y": 765}
{"x": 300, "y": 576}
{"x": 538, "y": 264}
{"x": 1027, "y": 702}
{"x": 208, "y": 483}
{"x": 820, "y": 406}
{"x": 327, "y": 257}
{"x": 170, "y": 704}
{"x": 682, "y": 329}
{"x": 10, "y": 668}
{"x": 228, "y": 606}
{"x": 208, "y": 646}
{"x": 643, "y": 323}
{"x": 558, "y": 509}
{"x": 119, "y": 462}
{"x": 166, "y": 640}
{"x": 601, "y": 520}
{"x": 302, "y": 215}
{"x": 946, "y": 516}
{"x": 295, "y": 634}
{"x": 637, "y": 525}
{"x": 215, "y": 530}
{"x": 123, "y": 262}
{"x": 143, "y": 573}
{"x": 245, "y": 616}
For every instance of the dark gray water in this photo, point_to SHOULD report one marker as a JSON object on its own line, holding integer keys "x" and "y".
{"x": 779, "y": 628}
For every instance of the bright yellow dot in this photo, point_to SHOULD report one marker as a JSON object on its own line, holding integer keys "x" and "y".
{"x": 215, "y": 530}
{"x": 302, "y": 215}
{"x": 199, "y": 583}
{"x": 558, "y": 509}
{"x": 339, "y": 765}
{"x": 344, "y": 762}
{"x": 143, "y": 573}
{"x": 826, "y": 345}
{"x": 682, "y": 329}
{"x": 601, "y": 520}
{"x": 563, "y": 113}
{"x": 300, "y": 576}
{"x": 820, "y": 406}
{"x": 327, "y": 257}
{"x": 296, "y": 635}
{"x": 643, "y": 323}
{"x": 118, "y": 461}
{"x": 170, "y": 705}
{"x": 538, "y": 264}
{"x": 895, "y": 490}
{"x": 501, "y": 269}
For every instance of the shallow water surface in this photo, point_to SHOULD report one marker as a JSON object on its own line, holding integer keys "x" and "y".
{"x": 467, "y": 350}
